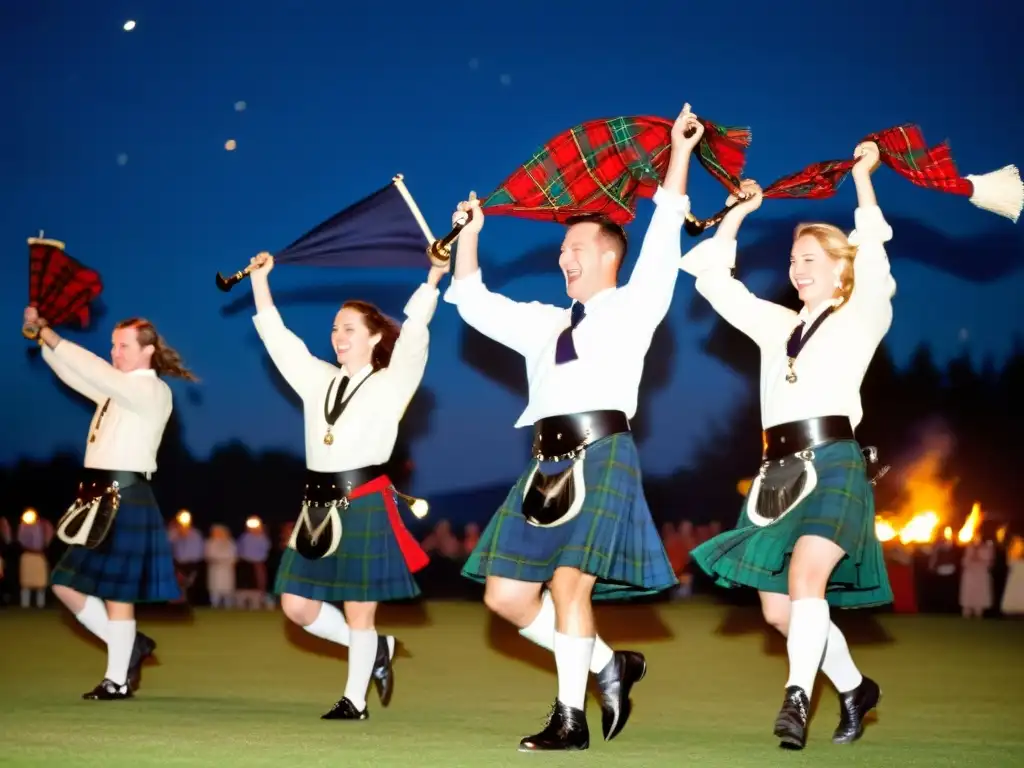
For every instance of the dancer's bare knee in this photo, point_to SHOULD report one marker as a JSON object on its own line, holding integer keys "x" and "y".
{"x": 300, "y": 610}
{"x": 515, "y": 601}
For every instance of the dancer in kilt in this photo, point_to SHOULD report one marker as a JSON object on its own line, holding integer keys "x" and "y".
{"x": 118, "y": 553}
{"x": 577, "y": 521}
{"x": 349, "y": 544}
{"x": 806, "y": 534}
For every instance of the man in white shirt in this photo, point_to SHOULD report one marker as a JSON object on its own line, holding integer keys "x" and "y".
{"x": 118, "y": 553}
{"x": 577, "y": 520}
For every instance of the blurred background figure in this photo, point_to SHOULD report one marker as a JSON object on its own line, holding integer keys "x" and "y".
{"x": 1013, "y": 594}
{"x": 6, "y": 558}
{"x": 251, "y": 576}
{"x": 34, "y": 536}
{"x": 976, "y": 578}
{"x": 188, "y": 551}
{"x": 221, "y": 557}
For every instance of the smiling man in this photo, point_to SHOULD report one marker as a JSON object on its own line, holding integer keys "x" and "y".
{"x": 577, "y": 521}
{"x": 118, "y": 551}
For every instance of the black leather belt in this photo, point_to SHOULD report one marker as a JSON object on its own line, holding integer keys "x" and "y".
{"x": 793, "y": 436}
{"x": 94, "y": 482}
{"x": 557, "y": 436}
{"x": 322, "y": 487}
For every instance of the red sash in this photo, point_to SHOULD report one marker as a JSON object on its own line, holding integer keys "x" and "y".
{"x": 416, "y": 559}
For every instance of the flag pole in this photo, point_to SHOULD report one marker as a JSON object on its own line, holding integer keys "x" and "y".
{"x": 399, "y": 182}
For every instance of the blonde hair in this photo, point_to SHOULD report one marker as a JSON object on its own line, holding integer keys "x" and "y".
{"x": 836, "y": 245}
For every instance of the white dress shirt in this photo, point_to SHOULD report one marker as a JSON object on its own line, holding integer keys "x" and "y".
{"x": 128, "y": 434}
{"x": 831, "y": 367}
{"x": 366, "y": 431}
{"x": 611, "y": 341}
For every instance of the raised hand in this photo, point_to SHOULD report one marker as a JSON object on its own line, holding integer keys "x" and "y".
{"x": 261, "y": 262}
{"x": 749, "y": 198}
{"x": 868, "y": 157}
{"x": 469, "y": 207}
{"x": 687, "y": 130}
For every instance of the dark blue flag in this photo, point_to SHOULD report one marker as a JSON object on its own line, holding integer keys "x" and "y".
{"x": 385, "y": 229}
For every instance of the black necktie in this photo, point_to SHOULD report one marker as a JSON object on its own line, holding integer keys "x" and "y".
{"x": 565, "y": 350}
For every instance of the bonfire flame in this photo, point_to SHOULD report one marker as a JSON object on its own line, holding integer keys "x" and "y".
{"x": 928, "y": 508}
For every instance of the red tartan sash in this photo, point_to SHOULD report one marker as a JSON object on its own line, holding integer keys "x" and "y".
{"x": 415, "y": 557}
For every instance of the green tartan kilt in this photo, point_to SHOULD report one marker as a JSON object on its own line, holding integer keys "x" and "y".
{"x": 613, "y": 537}
{"x": 368, "y": 565}
{"x": 841, "y": 508}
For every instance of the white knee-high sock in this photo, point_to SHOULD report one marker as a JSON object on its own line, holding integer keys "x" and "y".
{"x": 361, "y": 654}
{"x": 808, "y": 633}
{"x": 572, "y": 658}
{"x": 120, "y": 639}
{"x": 838, "y": 664}
{"x": 93, "y": 617}
{"x": 541, "y": 631}
{"x": 330, "y": 625}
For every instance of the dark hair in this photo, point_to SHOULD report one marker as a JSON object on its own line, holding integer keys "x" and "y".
{"x": 166, "y": 360}
{"x": 607, "y": 229}
{"x": 377, "y": 322}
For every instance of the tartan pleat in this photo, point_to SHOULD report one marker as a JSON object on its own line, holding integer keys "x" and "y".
{"x": 841, "y": 509}
{"x": 613, "y": 537}
{"x": 133, "y": 564}
{"x": 368, "y": 565}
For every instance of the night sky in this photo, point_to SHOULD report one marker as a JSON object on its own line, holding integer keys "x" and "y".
{"x": 114, "y": 142}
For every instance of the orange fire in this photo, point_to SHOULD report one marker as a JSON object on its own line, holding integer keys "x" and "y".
{"x": 926, "y": 513}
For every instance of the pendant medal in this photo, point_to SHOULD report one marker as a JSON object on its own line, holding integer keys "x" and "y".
{"x": 328, "y": 438}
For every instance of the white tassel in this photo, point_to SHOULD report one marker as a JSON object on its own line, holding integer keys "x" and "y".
{"x": 1000, "y": 191}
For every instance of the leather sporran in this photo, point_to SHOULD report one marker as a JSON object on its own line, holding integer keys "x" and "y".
{"x": 317, "y": 531}
{"x": 779, "y": 487}
{"x": 88, "y": 521}
{"x": 555, "y": 497}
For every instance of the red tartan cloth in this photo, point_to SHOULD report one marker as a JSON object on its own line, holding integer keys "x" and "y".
{"x": 59, "y": 287}
{"x": 415, "y": 556}
{"x": 902, "y": 148}
{"x": 603, "y": 166}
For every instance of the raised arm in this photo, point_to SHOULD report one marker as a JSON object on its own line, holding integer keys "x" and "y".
{"x": 653, "y": 280}
{"x": 62, "y": 371}
{"x": 290, "y": 355}
{"x": 94, "y": 377}
{"x": 873, "y": 283}
{"x": 517, "y": 325}
{"x": 712, "y": 262}
{"x": 409, "y": 357}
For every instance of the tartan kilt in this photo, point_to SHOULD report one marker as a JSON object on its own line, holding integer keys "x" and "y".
{"x": 133, "y": 564}
{"x": 613, "y": 537}
{"x": 368, "y": 565}
{"x": 841, "y": 508}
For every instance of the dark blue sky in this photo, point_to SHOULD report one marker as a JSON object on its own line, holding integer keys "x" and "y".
{"x": 113, "y": 141}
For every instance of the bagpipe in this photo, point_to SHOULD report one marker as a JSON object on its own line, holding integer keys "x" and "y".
{"x": 59, "y": 287}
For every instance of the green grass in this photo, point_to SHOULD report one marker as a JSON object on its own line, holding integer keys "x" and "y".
{"x": 245, "y": 689}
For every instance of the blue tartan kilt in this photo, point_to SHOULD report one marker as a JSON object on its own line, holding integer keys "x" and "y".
{"x": 613, "y": 537}
{"x": 368, "y": 565}
{"x": 133, "y": 564}
{"x": 841, "y": 508}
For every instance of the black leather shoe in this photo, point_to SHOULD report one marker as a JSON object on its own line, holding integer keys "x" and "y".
{"x": 108, "y": 690}
{"x": 791, "y": 724}
{"x": 383, "y": 673}
{"x": 853, "y": 706}
{"x": 566, "y": 729}
{"x": 345, "y": 710}
{"x": 615, "y": 681}
{"x": 142, "y": 649}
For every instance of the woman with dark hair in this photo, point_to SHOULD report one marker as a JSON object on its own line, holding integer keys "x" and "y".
{"x": 349, "y": 544}
{"x": 118, "y": 552}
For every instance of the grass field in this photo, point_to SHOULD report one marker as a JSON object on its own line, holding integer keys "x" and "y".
{"x": 244, "y": 689}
